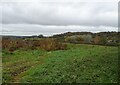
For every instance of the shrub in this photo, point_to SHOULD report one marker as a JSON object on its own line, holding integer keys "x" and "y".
{"x": 44, "y": 43}
{"x": 74, "y": 39}
{"x": 51, "y": 44}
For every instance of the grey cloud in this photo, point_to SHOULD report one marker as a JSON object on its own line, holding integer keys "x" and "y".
{"x": 82, "y": 13}
{"x": 48, "y": 18}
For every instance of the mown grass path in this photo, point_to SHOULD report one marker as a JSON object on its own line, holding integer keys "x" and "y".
{"x": 14, "y": 70}
{"x": 20, "y": 73}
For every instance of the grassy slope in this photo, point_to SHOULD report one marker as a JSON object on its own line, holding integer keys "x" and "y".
{"x": 80, "y": 63}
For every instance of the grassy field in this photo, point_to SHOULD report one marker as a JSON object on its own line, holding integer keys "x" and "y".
{"x": 80, "y": 63}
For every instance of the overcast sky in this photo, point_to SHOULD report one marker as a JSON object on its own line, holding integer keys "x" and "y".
{"x": 48, "y": 18}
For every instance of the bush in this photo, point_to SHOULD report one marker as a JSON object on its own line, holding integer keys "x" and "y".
{"x": 51, "y": 44}
{"x": 48, "y": 44}
{"x": 74, "y": 39}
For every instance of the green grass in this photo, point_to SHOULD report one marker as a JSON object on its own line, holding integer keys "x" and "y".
{"x": 79, "y": 63}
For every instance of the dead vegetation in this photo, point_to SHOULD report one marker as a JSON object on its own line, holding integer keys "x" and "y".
{"x": 47, "y": 44}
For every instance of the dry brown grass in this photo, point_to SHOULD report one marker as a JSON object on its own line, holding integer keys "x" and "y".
{"x": 48, "y": 44}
